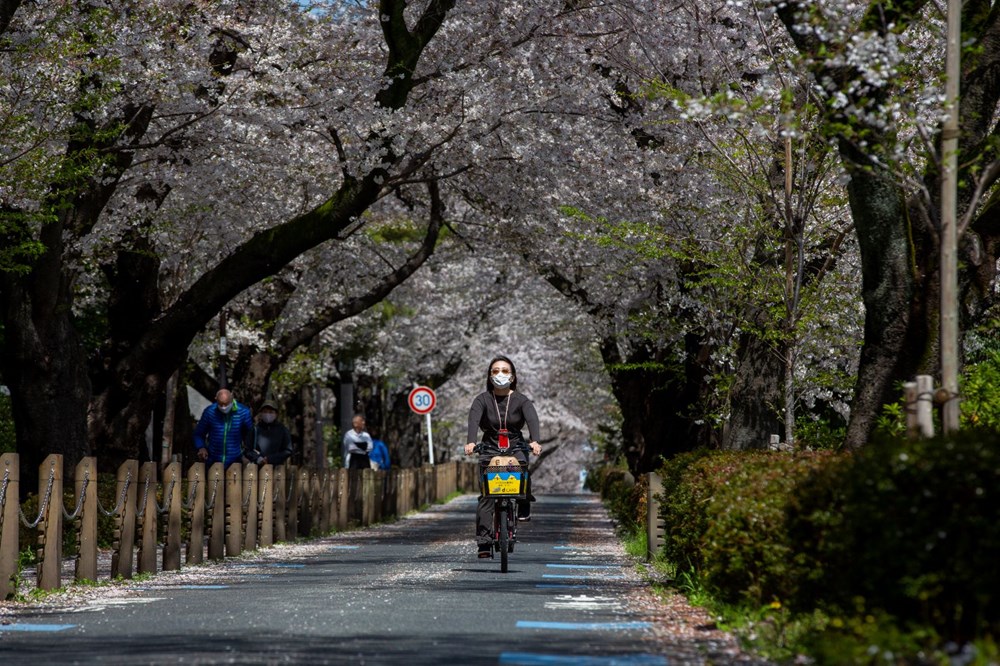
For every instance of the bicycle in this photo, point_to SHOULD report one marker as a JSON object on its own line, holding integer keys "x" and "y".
{"x": 505, "y": 481}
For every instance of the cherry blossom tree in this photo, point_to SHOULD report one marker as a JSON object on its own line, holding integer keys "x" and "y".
{"x": 246, "y": 157}
{"x": 878, "y": 67}
{"x": 216, "y": 67}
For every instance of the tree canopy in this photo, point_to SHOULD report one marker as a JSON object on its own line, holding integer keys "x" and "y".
{"x": 690, "y": 225}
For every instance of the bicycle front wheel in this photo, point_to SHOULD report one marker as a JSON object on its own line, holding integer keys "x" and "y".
{"x": 503, "y": 523}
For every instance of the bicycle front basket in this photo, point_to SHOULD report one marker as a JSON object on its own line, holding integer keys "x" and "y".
{"x": 505, "y": 481}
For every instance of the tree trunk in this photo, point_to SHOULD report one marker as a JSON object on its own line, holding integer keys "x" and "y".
{"x": 789, "y": 363}
{"x": 896, "y": 333}
{"x": 756, "y": 397}
{"x": 658, "y": 402}
{"x": 43, "y": 363}
{"x": 133, "y": 304}
{"x": 251, "y": 376}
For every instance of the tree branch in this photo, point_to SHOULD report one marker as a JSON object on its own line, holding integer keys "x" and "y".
{"x": 331, "y": 315}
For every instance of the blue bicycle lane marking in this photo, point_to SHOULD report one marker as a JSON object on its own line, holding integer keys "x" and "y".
{"x": 539, "y": 659}
{"x": 18, "y": 626}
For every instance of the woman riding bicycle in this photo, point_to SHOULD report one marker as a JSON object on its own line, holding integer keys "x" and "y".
{"x": 500, "y": 412}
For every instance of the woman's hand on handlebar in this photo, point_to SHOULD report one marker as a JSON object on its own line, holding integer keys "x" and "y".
{"x": 536, "y": 448}
{"x": 470, "y": 448}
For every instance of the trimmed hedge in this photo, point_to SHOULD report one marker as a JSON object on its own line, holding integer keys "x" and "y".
{"x": 725, "y": 517}
{"x": 911, "y": 529}
{"x": 625, "y": 499}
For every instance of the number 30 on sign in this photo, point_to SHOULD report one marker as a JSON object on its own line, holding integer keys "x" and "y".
{"x": 422, "y": 400}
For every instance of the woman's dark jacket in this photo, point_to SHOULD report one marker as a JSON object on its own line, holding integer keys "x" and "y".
{"x": 271, "y": 440}
{"x": 488, "y": 411}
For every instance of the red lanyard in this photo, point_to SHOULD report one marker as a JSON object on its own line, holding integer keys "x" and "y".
{"x": 503, "y": 441}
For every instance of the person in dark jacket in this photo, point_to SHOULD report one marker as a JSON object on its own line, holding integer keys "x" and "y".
{"x": 272, "y": 443}
{"x": 500, "y": 412}
{"x": 223, "y": 430}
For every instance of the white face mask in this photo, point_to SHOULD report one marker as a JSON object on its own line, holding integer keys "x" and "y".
{"x": 501, "y": 380}
{"x": 268, "y": 417}
{"x": 225, "y": 409}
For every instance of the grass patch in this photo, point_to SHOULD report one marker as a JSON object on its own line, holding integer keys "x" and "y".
{"x": 635, "y": 543}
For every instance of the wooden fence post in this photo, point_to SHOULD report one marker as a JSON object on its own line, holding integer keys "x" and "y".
{"x": 399, "y": 490}
{"x": 418, "y": 488}
{"x": 303, "y": 503}
{"x": 86, "y": 520}
{"x": 197, "y": 482}
{"x": 148, "y": 520}
{"x": 128, "y": 480}
{"x": 292, "y": 531}
{"x": 367, "y": 491}
{"x": 381, "y": 480}
{"x": 343, "y": 497}
{"x": 925, "y": 405}
{"x": 10, "y": 488}
{"x": 389, "y": 492}
{"x": 267, "y": 503}
{"x": 428, "y": 487}
{"x": 250, "y": 490}
{"x": 313, "y": 501}
{"x": 216, "y": 508}
{"x": 325, "y": 507}
{"x": 172, "y": 498}
{"x": 280, "y": 510}
{"x": 335, "y": 491}
{"x": 50, "y": 477}
{"x": 412, "y": 488}
{"x": 234, "y": 510}
{"x": 417, "y": 492}
{"x": 431, "y": 494}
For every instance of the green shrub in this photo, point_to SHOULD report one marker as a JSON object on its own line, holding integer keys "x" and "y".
{"x": 690, "y": 480}
{"x": 911, "y": 528}
{"x": 624, "y": 498}
{"x": 746, "y": 549}
{"x": 819, "y": 433}
{"x": 980, "y": 399}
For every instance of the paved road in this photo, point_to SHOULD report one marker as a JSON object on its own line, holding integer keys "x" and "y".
{"x": 412, "y": 592}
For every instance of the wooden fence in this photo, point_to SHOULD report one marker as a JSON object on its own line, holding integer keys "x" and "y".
{"x": 226, "y": 511}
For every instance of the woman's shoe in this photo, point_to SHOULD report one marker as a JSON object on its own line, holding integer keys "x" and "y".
{"x": 523, "y": 519}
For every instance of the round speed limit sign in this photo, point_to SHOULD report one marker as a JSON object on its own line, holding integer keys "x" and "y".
{"x": 422, "y": 400}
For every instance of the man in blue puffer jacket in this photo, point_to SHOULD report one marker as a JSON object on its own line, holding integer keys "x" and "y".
{"x": 223, "y": 429}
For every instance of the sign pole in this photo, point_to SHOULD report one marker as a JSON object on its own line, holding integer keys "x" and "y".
{"x": 430, "y": 439}
{"x": 422, "y": 401}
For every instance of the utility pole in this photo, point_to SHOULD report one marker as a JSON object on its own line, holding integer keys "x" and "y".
{"x": 949, "y": 221}
{"x": 345, "y": 368}
{"x": 222, "y": 350}
{"x": 320, "y": 461}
